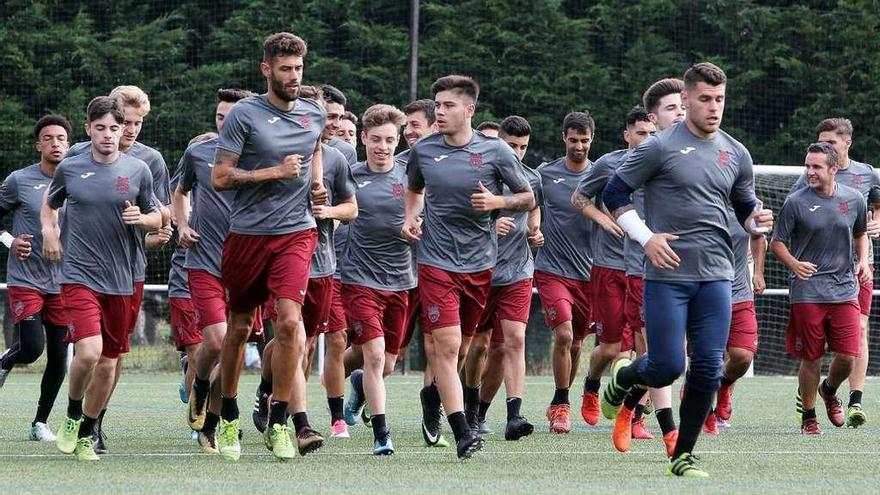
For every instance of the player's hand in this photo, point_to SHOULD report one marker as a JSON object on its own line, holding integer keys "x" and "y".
{"x": 322, "y": 211}
{"x": 611, "y": 227}
{"x": 187, "y": 237}
{"x": 412, "y": 229}
{"x": 21, "y": 246}
{"x": 873, "y": 227}
{"x": 536, "y": 238}
{"x": 484, "y": 199}
{"x": 760, "y": 221}
{"x": 319, "y": 194}
{"x": 52, "y": 250}
{"x": 290, "y": 167}
{"x": 164, "y": 234}
{"x": 865, "y": 272}
{"x": 131, "y": 214}
{"x": 504, "y": 225}
{"x": 661, "y": 255}
{"x": 758, "y": 283}
{"x": 804, "y": 269}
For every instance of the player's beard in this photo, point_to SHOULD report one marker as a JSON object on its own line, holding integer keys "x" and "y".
{"x": 281, "y": 93}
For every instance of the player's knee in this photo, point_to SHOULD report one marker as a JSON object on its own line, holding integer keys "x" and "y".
{"x": 335, "y": 342}
{"x": 740, "y": 358}
{"x": 563, "y": 337}
{"x": 668, "y": 371}
{"x": 30, "y": 350}
{"x": 374, "y": 358}
{"x": 513, "y": 344}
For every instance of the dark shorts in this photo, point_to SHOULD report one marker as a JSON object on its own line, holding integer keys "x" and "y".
{"x": 811, "y": 325}
{"x": 509, "y": 302}
{"x": 632, "y": 307}
{"x": 185, "y": 329}
{"x": 92, "y": 314}
{"x": 25, "y": 302}
{"x": 337, "y": 321}
{"x": 609, "y": 301}
{"x": 565, "y": 299}
{"x": 452, "y": 299}
{"x": 208, "y": 298}
{"x": 257, "y": 267}
{"x": 318, "y": 306}
{"x": 743, "y": 327}
{"x": 374, "y": 313}
{"x": 866, "y": 296}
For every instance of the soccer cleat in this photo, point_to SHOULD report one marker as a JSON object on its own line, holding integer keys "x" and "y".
{"x": 483, "y": 428}
{"x": 308, "y": 440}
{"x": 355, "y": 402}
{"x": 85, "y": 450}
{"x": 384, "y": 446}
{"x": 710, "y": 426}
{"x": 517, "y": 427}
{"x": 590, "y": 408}
{"x": 621, "y": 432}
{"x": 3, "y": 374}
{"x": 649, "y": 407}
{"x": 834, "y": 408}
{"x": 181, "y": 389}
{"x": 469, "y": 444}
{"x": 277, "y": 439}
{"x": 559, "y": 416}
{"x": 798, "y": 406}
{"x": 612, "y": 396}
{"x": 721, "y": 423}
{"x": 472, "y": 420}
{"x": 670, "y": 439}
{"x": 432, "y": 417}
{"x": 228, "y": 442}
{"x": 684, "y": 466}
{"x": 339, "y": 429}
{"x": 100, "y": 446}
{"x": 855, "y": 417}
{"x": 724, "y": 403}
{"x": 207, "y": 441}
{"x": 261, "y": 411}
{"x": 810, "y": 427}
{"x": 640, "y": 431}
{"x": 366, "y": 417}
{"x": 197, "y": 410}
{"x": 40, "y": 432}
{"x": 67, "y": 435}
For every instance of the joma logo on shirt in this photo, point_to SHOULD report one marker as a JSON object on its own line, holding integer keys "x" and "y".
{"x": 123, "y": 184}
{"x": 39, "y": 186}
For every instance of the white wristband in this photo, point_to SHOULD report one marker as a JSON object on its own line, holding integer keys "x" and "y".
{"x": 6, "y": 238}
{"x": 634, "y": 227}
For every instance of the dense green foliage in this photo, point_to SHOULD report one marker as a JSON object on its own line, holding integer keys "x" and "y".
{"x": 789, "y": 66}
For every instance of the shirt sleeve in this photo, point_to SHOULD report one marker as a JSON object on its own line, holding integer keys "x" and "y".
{"x": 161, "y": 185}
{"x": 874, "y": 193}
{"x": 414, "y": 173}
{"x": 57, "y": 192}
{"x": 344, "y": 186}
{"x": 537, "y": 188}
{"x": 597, "y": 177}
{"x": 642, "y": 164}
{"x": 146, "y": 198}
{"x": 786, "y": 221}
{"x": 9, "y": 193}
{"x": 743, "y": 190}
{"x": 187, "y": 172}
{"x": 235, "y": 131}
{"x": 861, "y": 225}
{"x": 509, "y": 169}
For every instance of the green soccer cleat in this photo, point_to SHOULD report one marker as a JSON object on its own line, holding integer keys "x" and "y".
{"x": 228, "y": 443}
{"x": 277, "y": 440}
{"x": 799, "y": 407}
{"x": 67, "y": 435}
{"x": 612, "y": 396}
{"x": 85, "y": 449}
{"x": 683, "y": 466}
{"x": 855, "y": 417}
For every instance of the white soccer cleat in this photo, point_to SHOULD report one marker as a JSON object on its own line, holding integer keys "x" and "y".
{"x": 40, "y": 432}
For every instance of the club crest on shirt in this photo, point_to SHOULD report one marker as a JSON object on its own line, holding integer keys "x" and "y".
{"x": 843, "y": 206}
{"x": 476, "y": 160}
{"x": 305, "y": 122}
{"x": 857, "y": 181}
{"x": 724, "y": 158}
{"x": 433, "y": 313}
{"x": 123, "y": 184}
{"x": 397, "y": 190}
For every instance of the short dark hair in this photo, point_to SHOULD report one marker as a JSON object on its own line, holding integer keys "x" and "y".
{"x": 488, "y": 124}
{"x": 283, "y": 44}
{"x": 232, "y": 95}
{"x": 458, "y": 84}
{"x": 825, "y": 148}
{"x": 101, "y": 106}
{"x": 333, "y": 95}
{"x": 350, "y": 116}
{"x": 515, "y": 125}
{"x": 637, "y": 114}
{"x": 706, "y": 72}
{"x": 579, "y": 121}
{"x": 52, "y": 119}
{"x": 838, "y": 125}
{"x": 425, "y": 106}
{"x": 658, "y": 90}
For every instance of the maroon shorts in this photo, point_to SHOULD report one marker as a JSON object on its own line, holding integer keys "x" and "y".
{"x": 92, "y": 313}
{"x": 208, "y": 298}
{"x": 374, "y": 313}
{"x": 565, "y": 299}
{"x": 137, "y": 300}
{"x": 25, "y": 302}
{"x": 509, "y": 302}
{"x": 866, "y": 295}
{"x": 811, "y": 325}
{"x": 413, "y": 308}
{"x": 743, "y": 327}
{"x": 318, "y": 305}
{"x": 609, "y": 301}
{"x": 184, "y": 324}
{"x": 337, "y": 321}
{"x": 632, "y": 306}
{"x": 255, "y": 267}
{"x": 452, "y": 298}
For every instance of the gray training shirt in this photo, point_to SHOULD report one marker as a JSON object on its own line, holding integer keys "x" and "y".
{"x": 377, "y": 256}
{"x": 820, "y": 230}
{"x": 607, "y": 249}
{"x": 690, "y": 185}
{"x": 455, "y": 236}
{"x": 22, "y": 195}
{"x": 742, "y": 277}
{"x": 340, "y": 186}
{"x": 347, "y": 150}
{"x": 99, "y": 250}
{"x": 262, "y": 135}
{"x": 515, "y": 261}
{"x": 633, "y": 252}
{"x": 568, "y": 245}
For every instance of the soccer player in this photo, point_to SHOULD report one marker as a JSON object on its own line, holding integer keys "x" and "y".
{"x": 609, "y": 265}
{"x": 818, "y": 230}
{"x": 562, "y": 266}
{"x": 489, "y": 128}
{"x": 268, "y": 151}
{"x": 334, "y": 104}
{"x": 839, "y": 131}
{"x": 456, "y": 177}
{"x": 688, "y": 280}
{"x": 504, "y": 320}
{"x": 108, "y": 195}
{"x": 34, "y": 294}
{"x": 348, "y": 129}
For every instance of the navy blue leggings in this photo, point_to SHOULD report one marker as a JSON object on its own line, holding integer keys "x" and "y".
{"x": 699, "y": 311}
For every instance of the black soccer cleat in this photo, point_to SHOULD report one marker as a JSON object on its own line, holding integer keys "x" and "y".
{"x": 469, "y": 444}
{"x": 518, "y": 427}
{"x": 261, "y": 411}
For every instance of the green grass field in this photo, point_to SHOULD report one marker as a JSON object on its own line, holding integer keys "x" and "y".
{"x": 763, "y": 452}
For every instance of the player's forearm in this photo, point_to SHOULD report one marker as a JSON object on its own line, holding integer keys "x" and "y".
{"x": 758, "y": 244}
{"x": 780, "y": 250}
{"x": 533, "y": 221}
{"x": 236, "y": 178}
{"x": 317, "y": 164}
{"x": 180, "y": 207}
{"x": 49, "y": 219}
{"x": 152, "y": 242}
{"x": 862, "y": 248}
{"x": 413, "y": 203}
{"x": 521, "y": 201}
{"x": 343, "y": 212}
{"x": 151, "y": 221}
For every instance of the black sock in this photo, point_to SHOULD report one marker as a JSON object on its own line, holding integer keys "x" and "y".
{"x": 229, "y": 408}
{"x": 726, "y": 382}
{"x": 87, "y": 427}
{"x": 664, "y": 418}
{"x": 808, "y": 414}
{"x": 74, "y": 409}
{"x": 827, "y": 388}
{"x": 640, "y": 411}
{"x": 855, "y": 397}
{"x": 100, "y": 425}
{"x": 211, "y": 421}
{"x": 42, "y": 415}
{"x": 459, "y": 425}
{"x": 201, "y": 388}
{"x": 472, "y": 400}
{"x": 277, "y": 412}
{"x": 484, "y": 408}
{"x": 633, "y": 397}
{"x": 560, "y": 397}
{"x": 53, "y": 375}
{"x": 300, "y": 421}
{"x": 591, "y": 386}
{"x": 265, "y": 386}
{"x": 336, "y": 404}
{"x": 513, "y": 406}
{"x": 357, "y": 381}
{"x": 693, "y": 411}
{"x": 380, "y": 431}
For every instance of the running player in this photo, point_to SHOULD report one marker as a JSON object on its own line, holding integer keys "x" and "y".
{"x": 266, "y": 150}
{"x": 688, "y": 288}
{"x": 456, "y": 176}
{"x": 562, "y": 266}
{"x": 110, "y": 195}
{"x": 348, "y": 129}
{"x": 819, "y": 228}
{"x": 34, "y": 295}
{"x": 334, "y": 104}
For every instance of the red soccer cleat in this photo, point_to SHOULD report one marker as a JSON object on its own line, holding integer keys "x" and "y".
{"x": 640, "y": 432}
{"x": 724, "y": 404}
{"x": 710, "y": 426}
{"x": 621, "y": 434}
{"x": 590, "y": 408}
{"x": 810, "y": 427}
{"x": 670, "y": 440}
{"x": 559, "y": 416}
{"x": 834, "y": 408}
